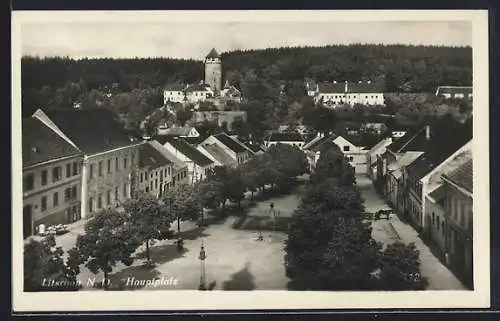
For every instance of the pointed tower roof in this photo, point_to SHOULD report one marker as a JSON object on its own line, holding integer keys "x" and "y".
{"x": 213, "y": 54}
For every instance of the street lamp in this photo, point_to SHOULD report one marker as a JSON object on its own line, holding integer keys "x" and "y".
{"x": 202, "y": 258}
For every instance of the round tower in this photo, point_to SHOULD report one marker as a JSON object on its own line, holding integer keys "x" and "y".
{"x": 213, "y": 71}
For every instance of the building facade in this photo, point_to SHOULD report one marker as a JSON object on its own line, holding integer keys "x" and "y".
{"x": 213, "y": 71}
{"x": 455, "y": 92}
{"x": 179, "y": 169}
{"x": 155, "y": 171}
{"x": 51, "y": 178}
{"x": 458, "y": 195}
{"x": 231, "y": 146}
{"x": 292, "y": 139}
{"x": 338, "y": 94}
{"x": 356, "y": 155}
{"x": 198, "y": 165}
{"x": 111, "y": 156}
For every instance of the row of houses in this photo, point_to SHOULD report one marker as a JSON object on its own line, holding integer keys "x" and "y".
{"x": 426, "y": 181}
{"x": 430, "y": 185}
{"x": 78, "y": 162}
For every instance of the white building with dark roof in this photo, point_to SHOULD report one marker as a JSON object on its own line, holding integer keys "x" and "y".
{"x": 286, "y": 138}
{"x": 347, "y": 93}
{"x": 455, "y": 92}
{"x": 111, "y": 155}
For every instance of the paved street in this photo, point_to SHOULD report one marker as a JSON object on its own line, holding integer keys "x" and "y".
{"x": 388, "y": 231}
{"x": 234, "y": 257}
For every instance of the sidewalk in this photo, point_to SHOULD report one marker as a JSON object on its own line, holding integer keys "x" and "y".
{"x": 438, "y": 275}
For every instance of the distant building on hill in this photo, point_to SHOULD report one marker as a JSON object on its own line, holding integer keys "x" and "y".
{"x": 338, "y": 94}
{"x": 456, "y": 92}
{"x": 207, "y": 90}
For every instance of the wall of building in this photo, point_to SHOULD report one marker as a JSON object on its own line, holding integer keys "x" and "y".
{"x": 113, "y": 184}
{"x": 438, "y": 223}
{"x": 352, "y": 98}
{"x": 67, "y": 208}
{"x": 154, "y": 181}
{"x": 297, "y": 143}
{"x": 213, "y": 74}
{"x": 173, "y": 96}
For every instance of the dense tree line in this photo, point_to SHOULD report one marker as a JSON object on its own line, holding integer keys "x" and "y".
{"x": 330, "y": 244}
{"x": 398, "y": 67}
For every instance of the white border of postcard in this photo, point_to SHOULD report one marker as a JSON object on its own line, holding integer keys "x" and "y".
{"x": 95, "y": 301}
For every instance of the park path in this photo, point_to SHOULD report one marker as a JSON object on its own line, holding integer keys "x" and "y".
{"x": 389, "y": 231}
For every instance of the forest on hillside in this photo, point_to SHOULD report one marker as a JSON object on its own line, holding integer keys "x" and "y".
{"x": 272, "y": 80}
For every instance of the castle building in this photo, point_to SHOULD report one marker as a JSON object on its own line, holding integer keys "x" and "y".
{"x": 209, "y": 89}
{"x": 213, "y": 71}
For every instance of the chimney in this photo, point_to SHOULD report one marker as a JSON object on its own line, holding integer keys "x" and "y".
{"x": 427, "y": 132}
{"x": 345, "y": 89}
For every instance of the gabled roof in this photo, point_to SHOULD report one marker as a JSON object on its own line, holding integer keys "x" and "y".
{"x": 328, "y": 88}
{"x": 219, "y": 154}
{"x": 213, "y": 54}
{"x": 462, "y": 175}
{"x": 405, "y": 160}
{"x": 364, "y": 87}
{"x": 437, "y": 194}
{"x": 198, "y": 87}
{"x": 466, "y": 90}
{"x": 151, "y": 158}
{"x": 42, "y": 144}
{"x": 175, "y": 87}
{"x": 316, "y": 140}
{"x": 186, "y": 149}
{"x": 91, "y": 130}
{"x": 399, "y": 144}
{"x": 231, "y": 143}
{"x": 286, "y": 137}
{"x": 171, "y": 157}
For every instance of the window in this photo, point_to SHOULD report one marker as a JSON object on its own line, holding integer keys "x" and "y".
{"x": 91, "y": 205}
{"x": 44, "y": 203}
{"x": 151, "y": 185}
{"x": 151, "y": 176}
{"x": 437, "y": 226}
{"x": 109, "y": 166}
{"x": 117, "y": 165}
{"x": 142, "y": 177}
{"x": 433, "y": 219}
{"x": 108, "y": 198}
{"x": 75, "y": 168}
{"x": 55, "y": 202}
{"x": 125, "y": 162}
{"x": 124, "y": 190}
{"x": 156, "y": 183}
{"x": 29, "y": 182}
{"x": 99, "y": 168}
{"x": 346, "y": 148}
{"x": 99, "y": 201}
{"x": 68, "y": 170}
{"x": 56, "y": 174}
{"x": 73, "y": 192}
{"x": 161, "y": 176}
{"x": 462, "y": 214}
{"x": 91, "y": 171}
{"x": 67, "y": 194}
{"x": 442, "y": 227}
{"x": 44, "y": 177}
{"x": 116, "y": 194}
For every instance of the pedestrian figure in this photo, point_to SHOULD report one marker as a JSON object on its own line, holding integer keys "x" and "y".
{"x": 271, "y": 205}
{"x": 261, "y": 237}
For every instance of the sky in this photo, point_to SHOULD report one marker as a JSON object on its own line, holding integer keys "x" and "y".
{"x": 193, "y": 40}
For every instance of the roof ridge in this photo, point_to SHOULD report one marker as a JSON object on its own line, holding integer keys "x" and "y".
{"x": 411, "y": 139}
